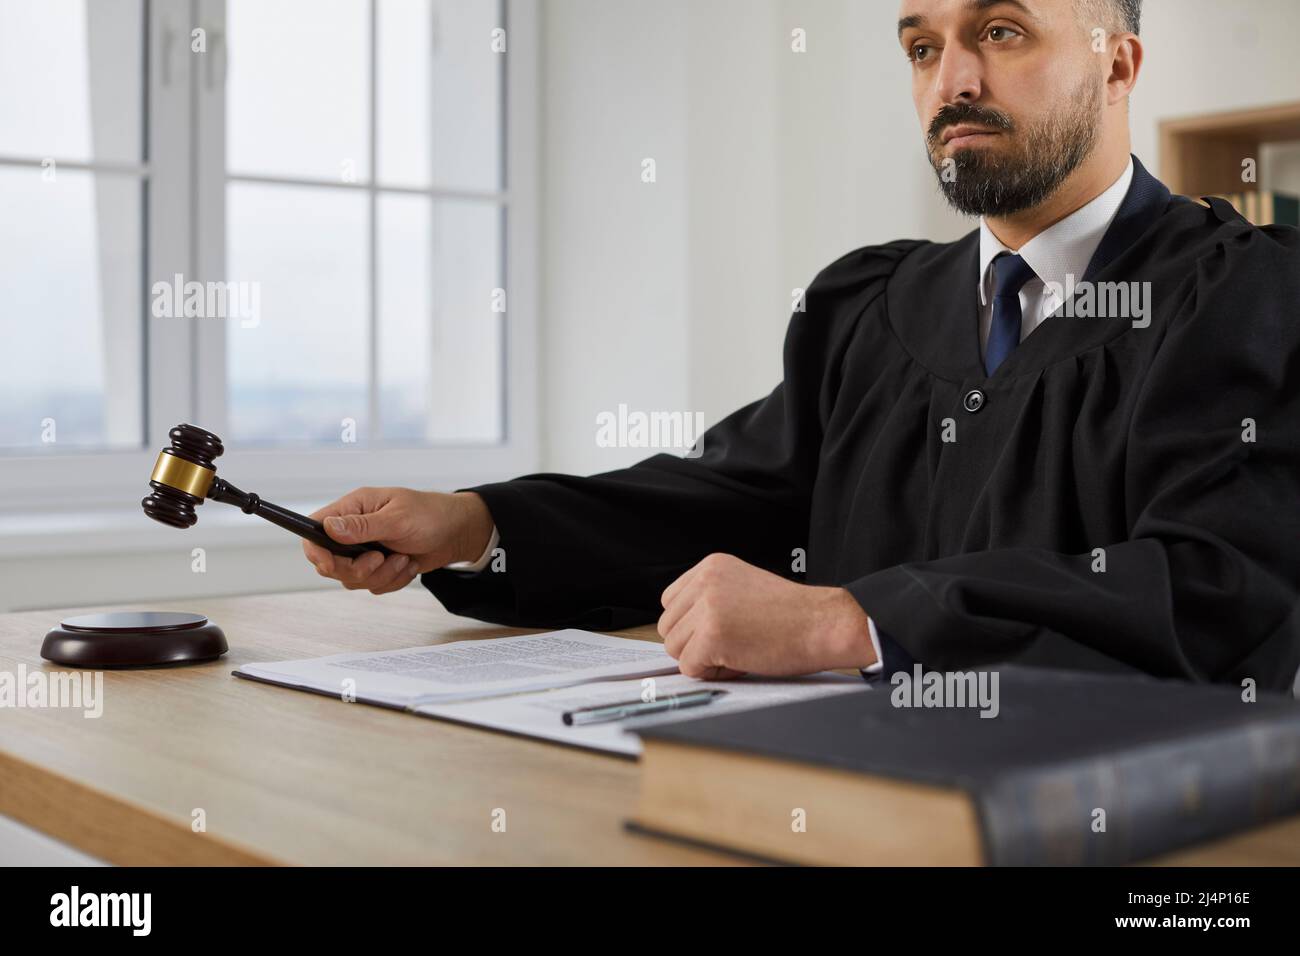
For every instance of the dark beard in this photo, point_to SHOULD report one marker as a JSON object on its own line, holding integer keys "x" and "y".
{"x": 999, "y": 182}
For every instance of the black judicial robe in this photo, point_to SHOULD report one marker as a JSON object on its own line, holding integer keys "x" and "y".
{"x": 1093, "y": 434}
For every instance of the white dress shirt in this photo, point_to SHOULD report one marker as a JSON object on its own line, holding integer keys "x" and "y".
{"x": 1062, "y": 249}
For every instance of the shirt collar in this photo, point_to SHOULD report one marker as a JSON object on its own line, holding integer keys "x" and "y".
{"x": 1063, "y": 248}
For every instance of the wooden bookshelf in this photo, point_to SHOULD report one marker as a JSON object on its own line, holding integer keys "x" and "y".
{"x": 1202, "y": 155}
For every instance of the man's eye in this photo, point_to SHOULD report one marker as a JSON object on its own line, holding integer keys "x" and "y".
{"x": 997, "y": 34}
{"x": 918, "y": 53}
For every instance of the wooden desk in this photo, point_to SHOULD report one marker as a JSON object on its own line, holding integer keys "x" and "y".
{"x": 289, "y": 777}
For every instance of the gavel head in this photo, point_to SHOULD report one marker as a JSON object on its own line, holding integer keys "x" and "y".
{"x": 182, "y": 476}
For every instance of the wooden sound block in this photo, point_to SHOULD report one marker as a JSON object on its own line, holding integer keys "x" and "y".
{"x": 134, "y": 639}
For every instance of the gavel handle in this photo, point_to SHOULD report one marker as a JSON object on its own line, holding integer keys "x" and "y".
{"x": 301, "y": 525}
{"x": 314, "y": 531}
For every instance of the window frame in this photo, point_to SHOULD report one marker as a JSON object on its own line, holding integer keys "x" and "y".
{"x": 184, "y": 189}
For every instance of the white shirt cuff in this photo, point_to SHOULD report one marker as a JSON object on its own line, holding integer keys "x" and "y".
{"x": 879, "y": 665}
{"x": 472, "y": 567}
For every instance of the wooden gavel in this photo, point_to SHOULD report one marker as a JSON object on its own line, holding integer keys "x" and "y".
{"x": 184, "y": 475}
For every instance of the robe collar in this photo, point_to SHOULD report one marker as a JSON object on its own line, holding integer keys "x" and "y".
{"x": 933, "y": 299}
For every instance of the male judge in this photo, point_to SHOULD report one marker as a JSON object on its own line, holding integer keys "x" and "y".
{"x": 1071, "y": 438}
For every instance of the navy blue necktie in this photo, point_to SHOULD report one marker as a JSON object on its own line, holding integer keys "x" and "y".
{"x": 1010, "y": 274}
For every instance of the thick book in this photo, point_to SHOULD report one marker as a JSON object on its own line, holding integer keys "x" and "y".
{"x": 1056, "y": 768}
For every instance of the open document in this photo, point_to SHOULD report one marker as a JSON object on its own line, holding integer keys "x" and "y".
{"x": 465, "y": 670}
{"x": 541, "y": 714}
{"x": 524, "y": 685}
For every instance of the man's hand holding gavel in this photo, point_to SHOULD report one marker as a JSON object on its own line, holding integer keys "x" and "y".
{"x": 424, "y": 529}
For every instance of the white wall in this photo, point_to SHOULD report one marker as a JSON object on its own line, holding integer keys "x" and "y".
{"x": 614, "y": 253}
{"x": 790, "y": 160}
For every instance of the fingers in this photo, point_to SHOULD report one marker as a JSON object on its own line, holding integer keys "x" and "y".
{"x": 692, "y": 623}
{"x": 370, "y": 569}
{"x": 357, "y": 509}
{"x": 712, "y": 568}
{"x": 351, "y": 572}
{"x": 322, "y": 559}
{"x": 693, "y": 644}
{"x": 358, "y": 516}
{"x": 343, "y": 570}
{"x": 388, "y": 575}
{"x": 387, "y": 523}
{"x": 715, "y": 672}
{"x": 355, "y": 502}
{"x": 673, "y": 590}
{"x": 679, "y": 634}
{"x": 675, "y": 608}
{"x": 347, "y": 529}
{"x": 682, "y": 600}
{"x": 696, "y": 647}
{"x": 402, "y": 579}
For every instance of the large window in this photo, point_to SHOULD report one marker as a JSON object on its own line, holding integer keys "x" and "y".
{"x": 72, "y": 191}
{"x": 364, "y": 172}
{"x": 302, "y": 224}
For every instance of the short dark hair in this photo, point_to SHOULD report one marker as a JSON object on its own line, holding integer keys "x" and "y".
{"x": 1120, "y": 15}
{"x": 1130, "y": 13}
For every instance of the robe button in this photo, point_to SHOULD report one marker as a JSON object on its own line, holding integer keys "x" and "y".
{"x": 973, "y": 401}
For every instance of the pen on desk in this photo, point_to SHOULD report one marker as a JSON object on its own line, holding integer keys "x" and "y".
{"x": 636, "y": 708}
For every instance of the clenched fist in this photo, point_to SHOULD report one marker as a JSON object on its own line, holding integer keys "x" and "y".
{"x": 725, "y": 617}
{"x": 424, "y": 529}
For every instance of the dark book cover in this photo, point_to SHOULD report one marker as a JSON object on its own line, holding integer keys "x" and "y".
{"x": 1074, "y": 768}
{"x": 1286, "y": 209}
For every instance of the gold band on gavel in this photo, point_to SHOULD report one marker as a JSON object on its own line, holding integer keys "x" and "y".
{"x": 176, "y": 472}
